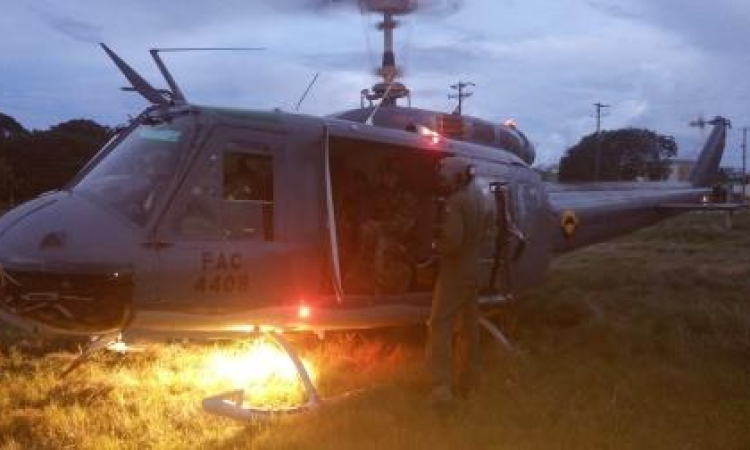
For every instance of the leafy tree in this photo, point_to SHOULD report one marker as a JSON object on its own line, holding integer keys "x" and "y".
{"x": 9, "y": 127}
{"x": 625, "y": 155}
{"x": 43, "y": 160}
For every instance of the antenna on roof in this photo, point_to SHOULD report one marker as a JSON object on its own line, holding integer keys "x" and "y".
{"x": 307, "y": 91}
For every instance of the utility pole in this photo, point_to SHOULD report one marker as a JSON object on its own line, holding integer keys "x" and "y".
{"x": 460, "y": 86}
{"x": 597, "y": 157}
{"x": 744, "y": 165}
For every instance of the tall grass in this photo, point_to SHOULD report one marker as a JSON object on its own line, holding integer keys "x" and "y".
{"x": 643, "y": 342}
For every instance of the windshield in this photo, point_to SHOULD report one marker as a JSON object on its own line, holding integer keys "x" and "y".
{"x": 134, "y": 175}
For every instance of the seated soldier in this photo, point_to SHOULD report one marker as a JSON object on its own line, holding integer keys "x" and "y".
{"x": 352, "y": 190}
{"x": 386, "y": 235}
{"x": 241, "y": 181}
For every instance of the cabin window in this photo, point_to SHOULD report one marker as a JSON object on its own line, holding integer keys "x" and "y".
{"x": 247, "y": 192}
{"x": 228, "y": 196}
{"x": 136, "y": 174}
{"x": 195, "y": 214}
{"x": 247, "y": 177}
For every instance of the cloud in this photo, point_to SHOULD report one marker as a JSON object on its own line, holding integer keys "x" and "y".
{"x": 658, "y": 64}
{"x": 718, "y": 26}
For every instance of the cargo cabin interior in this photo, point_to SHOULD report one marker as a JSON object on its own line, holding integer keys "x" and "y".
{"x": 385, "y": 206}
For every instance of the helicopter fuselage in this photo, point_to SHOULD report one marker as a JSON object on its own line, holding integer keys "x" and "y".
{"x": 148, "y": 236}
{"x": 219, "y": 221}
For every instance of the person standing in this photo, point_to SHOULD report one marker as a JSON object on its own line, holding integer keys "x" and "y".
{"x": 466, "y": 220}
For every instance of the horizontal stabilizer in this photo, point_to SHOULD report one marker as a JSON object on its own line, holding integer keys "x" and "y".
{"x": 703, "y": 206}
{"x": 138, "y": 82}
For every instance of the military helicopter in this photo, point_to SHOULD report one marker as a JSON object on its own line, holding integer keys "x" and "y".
{"x": 209, "y": 221}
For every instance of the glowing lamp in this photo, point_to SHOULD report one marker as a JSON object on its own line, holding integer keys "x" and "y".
{"x": 304, "y": 311}
{"x": 433, "y": 135}
{"x": 511, "y": 123}
{"x": 118, "y": 347}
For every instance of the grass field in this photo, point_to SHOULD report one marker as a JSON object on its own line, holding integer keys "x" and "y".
{"x": 643, "y": 342}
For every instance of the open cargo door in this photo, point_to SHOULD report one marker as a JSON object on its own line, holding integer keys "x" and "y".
{"x": 333, "y": 241}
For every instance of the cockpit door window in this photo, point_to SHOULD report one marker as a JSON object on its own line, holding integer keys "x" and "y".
{"x": 133, "y": 177}
{"x": 247, "y": 192}
{"x": 229, "y": 193}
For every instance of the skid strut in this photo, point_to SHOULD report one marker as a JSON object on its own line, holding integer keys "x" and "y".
{"x": 97, "y": 343}
{"x": 230, "y": 404}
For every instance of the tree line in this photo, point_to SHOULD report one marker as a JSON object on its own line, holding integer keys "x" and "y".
{"x": 37, "y": 161}
{"x": 621, "y": 155}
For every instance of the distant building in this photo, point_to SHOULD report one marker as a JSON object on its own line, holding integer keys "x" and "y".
{"x": 679, "y": 169}
{"x": 732, "y": 178}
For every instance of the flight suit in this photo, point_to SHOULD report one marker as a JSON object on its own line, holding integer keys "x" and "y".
{"x": 454, "y": 306}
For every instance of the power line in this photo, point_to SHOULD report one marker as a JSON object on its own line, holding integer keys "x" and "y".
{"x": 460, "y": 86}
{"x": 744, "y": 164}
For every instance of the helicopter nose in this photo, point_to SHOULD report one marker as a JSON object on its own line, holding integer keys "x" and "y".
{"x": 66, "y": 266}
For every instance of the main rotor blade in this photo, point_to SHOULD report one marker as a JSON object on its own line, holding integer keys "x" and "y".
{"x": 213, "y": 49}
{"x": 138, "y": 82}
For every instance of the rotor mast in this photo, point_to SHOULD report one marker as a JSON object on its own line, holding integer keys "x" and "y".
{"x": 388, "y": 91}
{"x": 388, "y": 70}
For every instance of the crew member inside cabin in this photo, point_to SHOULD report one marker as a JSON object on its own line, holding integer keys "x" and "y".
{"x": 385, "y": 219}
{"x": 243, "y": 181}
{"x": 388, "y": 231}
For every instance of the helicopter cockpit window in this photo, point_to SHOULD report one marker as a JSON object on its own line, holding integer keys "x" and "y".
{"x": 135, "y": 174}
{"x": 248, "y": 177}
{"x": 247, "y": 193}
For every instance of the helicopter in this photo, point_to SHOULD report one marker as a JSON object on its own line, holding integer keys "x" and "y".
{"x": 205, "y": 221}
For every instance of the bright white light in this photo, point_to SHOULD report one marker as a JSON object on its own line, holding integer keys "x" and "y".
{"x": 262, "y": 364}
{"x": 432, "y": 134}
{"x": 119, "y": 347}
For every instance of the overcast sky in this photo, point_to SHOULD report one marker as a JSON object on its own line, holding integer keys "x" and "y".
{"x": 659, "y": 63}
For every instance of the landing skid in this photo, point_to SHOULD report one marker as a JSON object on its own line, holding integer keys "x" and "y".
{"x": 230, "y": 404}
{"x": 498, "y": 335}
{"x": 97, "y": 343}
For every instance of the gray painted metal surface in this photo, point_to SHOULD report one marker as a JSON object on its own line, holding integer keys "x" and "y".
{"x": 148, "y": 238}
